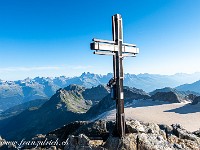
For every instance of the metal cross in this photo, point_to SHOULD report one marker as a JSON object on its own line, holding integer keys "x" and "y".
{"x": 119, "y": 50}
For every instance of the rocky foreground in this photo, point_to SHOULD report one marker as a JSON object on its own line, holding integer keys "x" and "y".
{"x": 82, "y": 135}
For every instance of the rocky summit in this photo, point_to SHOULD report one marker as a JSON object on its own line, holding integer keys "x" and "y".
{"x": 140, "y": 136}
{"x": 170, "y": 95}
{"x": 99, "y": 135}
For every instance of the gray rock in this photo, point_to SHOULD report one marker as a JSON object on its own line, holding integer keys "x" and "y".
{"x": 81, "y": 142}
{"x": 153, "y": 142}
{"x": 152, "y": 128}
{"x": 197, "y": 133}
{"x": 143, "y": 136}
{"x": 196, "y": 100}
{"x": 134, "y": 126}
{"x": 171, "y": 97}
{"x": 126, "y": 143}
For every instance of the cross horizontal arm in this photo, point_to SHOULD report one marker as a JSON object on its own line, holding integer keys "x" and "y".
{"x": 113, "y": 48}
{"x": 104, "y": 53}
{"x": 112, "y": 42}
{"x": 127, "y": 44}
{"x": 103, "y": 41}
{"x": 111, "y": 53}
{"x": 128, "y": 55}
{"x": 103, "y": 46}
{"x": 129, "y": 49}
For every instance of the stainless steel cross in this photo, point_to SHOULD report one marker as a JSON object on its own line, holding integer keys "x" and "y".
{"x": 119, "y": 50}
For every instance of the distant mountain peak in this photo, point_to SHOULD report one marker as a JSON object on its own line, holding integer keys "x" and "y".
{"x": 74, "y": 87}
{"x": 166, "y": 97}
{"x": 86, "y": 74}
{"x": 165, "y": 89}
{"x": 171, "y": 95}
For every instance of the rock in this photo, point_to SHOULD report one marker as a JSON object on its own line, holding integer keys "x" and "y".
{"x": 166, "y": 128}
{"x": 53, "y": 148}
{"x": 134, "y": 126}
{"x": 39, "y": 137}
{"x": 196, "y": 100}
{"x": 163, "y": 134}
{"x": 191, "y": 97}
{"x": 95, "y": 143}
{"x": 153, "y": 142}
{"x": 171, "y": 97}
{"x": 185, "y": 138}
{"x": 81, "y": 142}
{"x": 149, "y": 136}
{"x": 197, "y": 133}
{"x": 95, "y": 129}
{"x": 177, "y": 146}
{"x": 182, "y": 133}
{"x": 126, "y": 143}
{"x": 99, "y": 135}
{"x": 152, "y": 128}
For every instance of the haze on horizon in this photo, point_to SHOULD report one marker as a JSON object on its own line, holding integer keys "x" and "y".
{"x": 49, "y": 38}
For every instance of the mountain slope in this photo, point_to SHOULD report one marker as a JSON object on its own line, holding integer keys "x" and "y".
{"x": 196, "y": 100}
{"x": 17, "y": 92}
{"x": 63, "y": 107}
{"x": 95, "y": 94}
{"x": 13, "y": 111}
{"x": 190, "y": 87}
{"x": 107, "y": 103}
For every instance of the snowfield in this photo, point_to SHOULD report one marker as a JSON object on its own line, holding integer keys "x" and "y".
{"x": 160, "y": 112}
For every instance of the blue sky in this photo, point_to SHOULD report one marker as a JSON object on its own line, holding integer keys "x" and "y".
{"x": 51, "y": 38}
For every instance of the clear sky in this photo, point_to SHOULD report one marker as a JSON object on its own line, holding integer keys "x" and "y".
{"x": 51, "y": 38}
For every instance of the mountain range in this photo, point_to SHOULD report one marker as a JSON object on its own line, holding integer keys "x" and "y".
{"x": 17, "y": 92}
{"x": 69, "y": 104}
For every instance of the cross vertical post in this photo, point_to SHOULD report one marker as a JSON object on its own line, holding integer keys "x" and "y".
{"x": 118, "y": 38}
{"x": 119, "y": 50}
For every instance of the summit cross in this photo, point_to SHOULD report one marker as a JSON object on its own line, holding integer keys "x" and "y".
{"x": 119, "y": 50}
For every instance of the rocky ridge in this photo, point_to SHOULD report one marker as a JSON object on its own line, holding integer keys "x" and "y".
{"x": 98, "y": 135}
{"x": 172, "y": 95}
